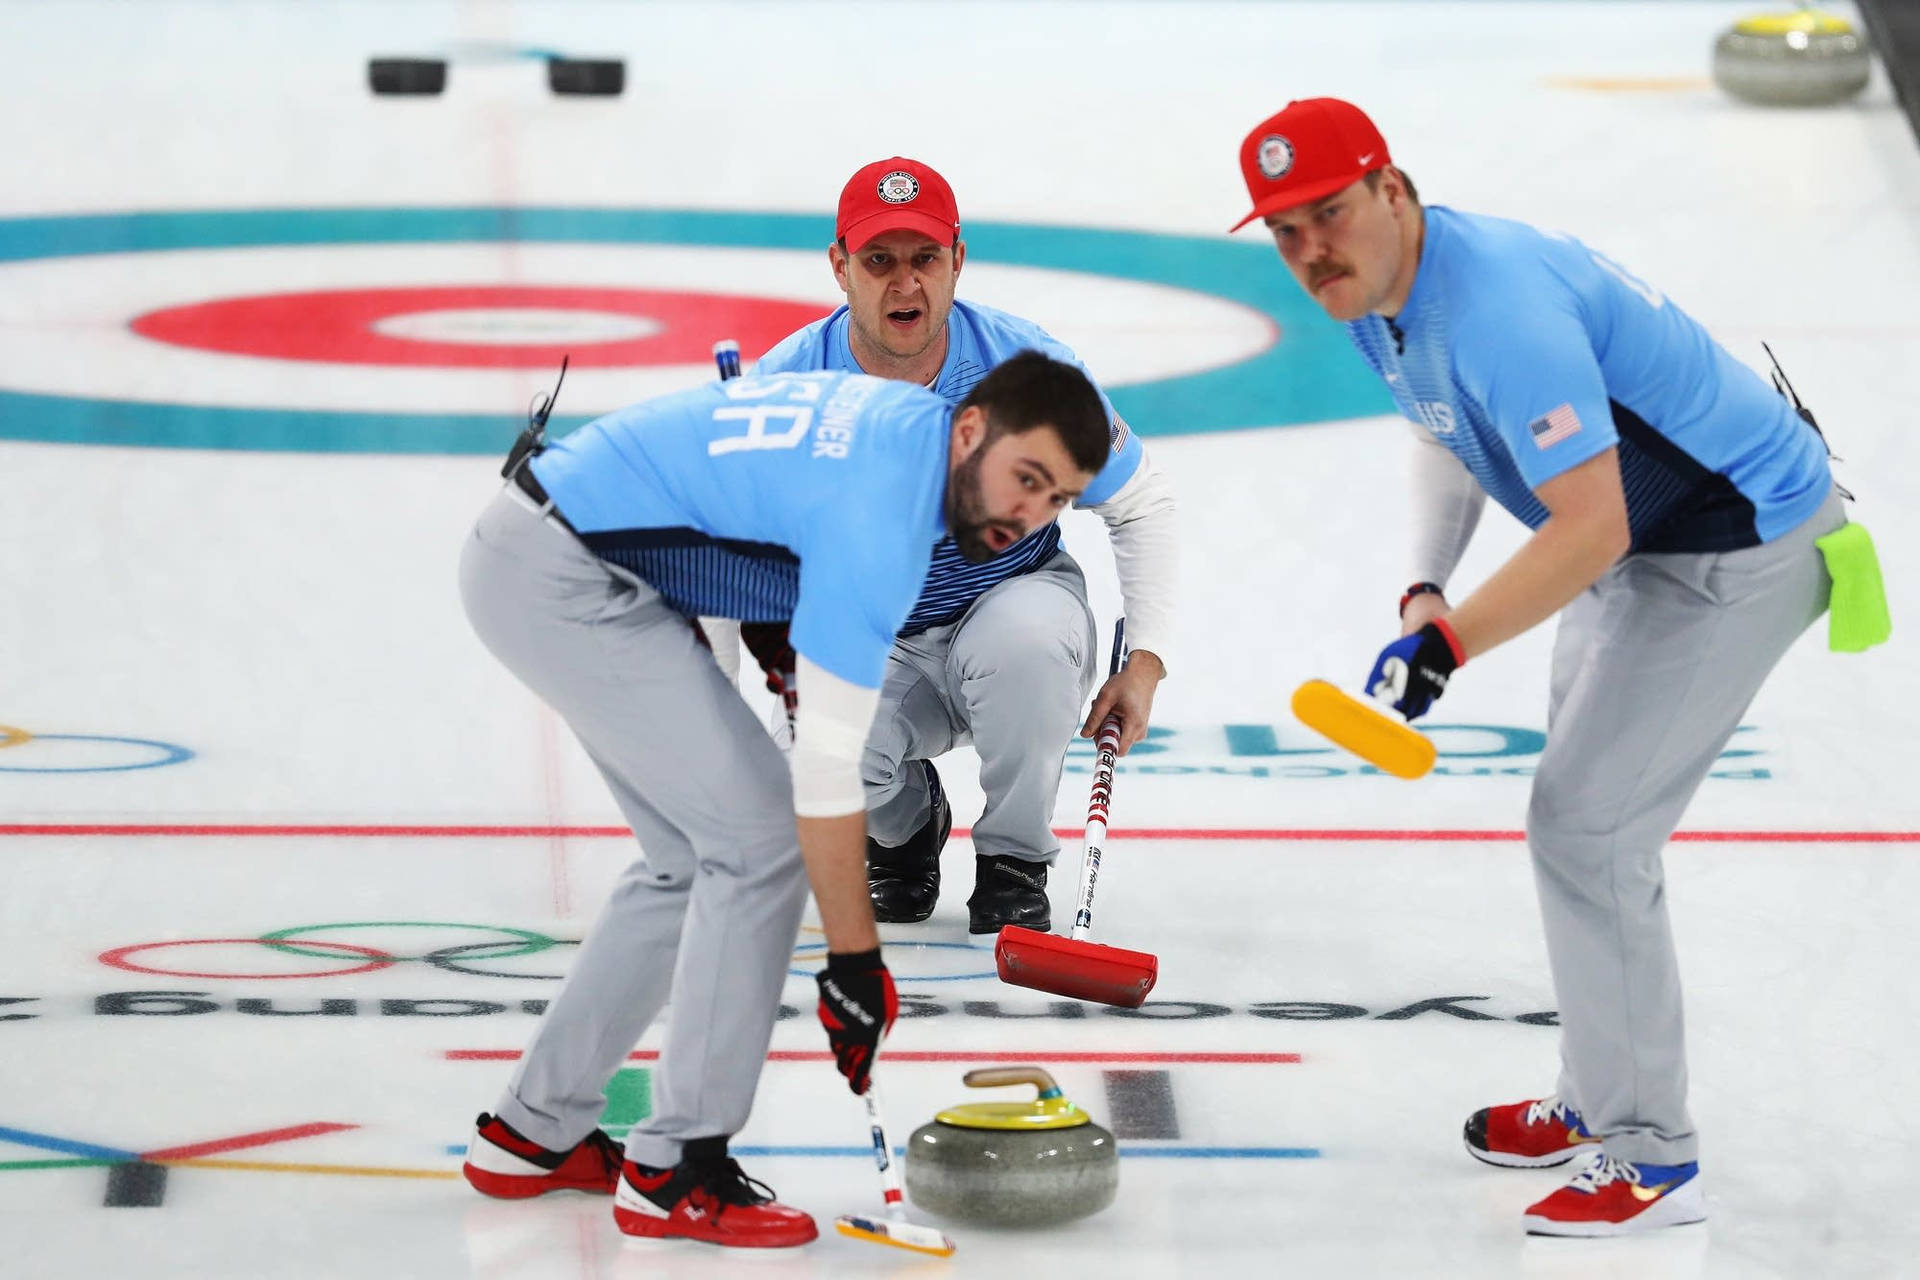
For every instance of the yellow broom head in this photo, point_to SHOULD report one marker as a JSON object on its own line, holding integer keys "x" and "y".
{"x": 1371, "y": 732}
{"x": 896, "y": 1232}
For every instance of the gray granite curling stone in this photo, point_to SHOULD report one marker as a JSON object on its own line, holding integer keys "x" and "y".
{"x": 1013, "y": 1164}
{"x": 1802, "y": 59}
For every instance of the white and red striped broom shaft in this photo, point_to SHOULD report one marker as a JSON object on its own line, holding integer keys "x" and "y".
{"x": 1107, "y": 744}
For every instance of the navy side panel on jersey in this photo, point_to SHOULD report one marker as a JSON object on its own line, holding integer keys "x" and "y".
{"x": 953, "y": 584}
{"x": 707, "y": 577}
{"x": 978, "y": 339}
{"x": 1528, "y": 354}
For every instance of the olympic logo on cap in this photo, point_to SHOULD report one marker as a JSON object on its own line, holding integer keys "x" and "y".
{"x": 898, "y": 187}
{"x": 1276, "y": 156}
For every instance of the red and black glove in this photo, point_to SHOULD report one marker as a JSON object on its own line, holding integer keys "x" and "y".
{"x": 771, "y": 648}
{"x": 857, "y": 1007}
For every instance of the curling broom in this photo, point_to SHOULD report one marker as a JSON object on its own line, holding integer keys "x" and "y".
{"x": 1073, "y": 966}
{"x": 893, "y": 1229}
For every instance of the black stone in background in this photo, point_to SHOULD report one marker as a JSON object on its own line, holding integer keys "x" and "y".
{"x": 136, "y": 1186}
{"x": 586, "y": 77}
{"x": 407, "y": 76}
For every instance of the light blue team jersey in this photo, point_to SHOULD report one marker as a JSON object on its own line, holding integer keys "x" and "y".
{"x": 811, "y": 497}
{"x": 978, "y": 338}
{"x": 1527, "y": 354}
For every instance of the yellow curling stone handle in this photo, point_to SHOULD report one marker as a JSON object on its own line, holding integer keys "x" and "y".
{"x": 1047, "y": 1111}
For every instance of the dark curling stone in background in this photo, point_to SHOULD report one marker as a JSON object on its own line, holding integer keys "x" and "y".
{"x": 586, "y": 77}
{"x": 407, "y": 75}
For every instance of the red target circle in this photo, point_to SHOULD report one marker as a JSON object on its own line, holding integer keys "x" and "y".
{"x": 343, "y": 326}
{"x": 118, "y": 959}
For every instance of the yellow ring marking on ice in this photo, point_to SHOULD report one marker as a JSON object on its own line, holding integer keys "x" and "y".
{"x": 274, "y": 1166}
{"x": 1630, "y": 84}
{"x": 12, "y": 737}
{"x": 799, "y": 955}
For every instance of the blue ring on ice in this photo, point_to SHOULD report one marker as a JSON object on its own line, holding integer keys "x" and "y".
{"x": 170, "y": 753}
{"x": 895, "y": 946}
{"x": 1311, "y": 374}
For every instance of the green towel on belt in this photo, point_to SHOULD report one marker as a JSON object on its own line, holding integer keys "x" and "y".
{"x": 1857, "y": 616}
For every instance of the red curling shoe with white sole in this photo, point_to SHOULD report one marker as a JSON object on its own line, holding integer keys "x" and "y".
{"x": 1528, "y": 1135}
{"x": 502, "y": 1164}
{"x": 707, "y": 1197}
{"x": 1614, "y": 1198}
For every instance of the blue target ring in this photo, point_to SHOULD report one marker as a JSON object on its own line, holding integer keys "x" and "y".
{"x": 169, "y": 753}
{"x": 819, "y": 947}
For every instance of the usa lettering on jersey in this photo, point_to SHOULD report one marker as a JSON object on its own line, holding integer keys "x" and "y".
{"x": 831, "y": 438}
{"x": 800, "y": 390}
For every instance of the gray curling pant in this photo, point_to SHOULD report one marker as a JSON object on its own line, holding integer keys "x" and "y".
{"x": 706, "y": 919}
{"x": 1653, "y": 668}
{"x": 1012, "y": 677}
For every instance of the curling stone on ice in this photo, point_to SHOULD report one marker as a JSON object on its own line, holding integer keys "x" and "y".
{"x": 1803, "y": 59}
{"x": 1013, "y": 1164}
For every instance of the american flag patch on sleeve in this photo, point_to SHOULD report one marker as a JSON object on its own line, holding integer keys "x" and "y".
{"x": 1117, "y": 432}
{"x": 1555, "y": 427}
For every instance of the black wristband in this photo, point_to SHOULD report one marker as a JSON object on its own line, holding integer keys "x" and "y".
{"x": 1419, "y": 589}
{"x": 854, "y": 961}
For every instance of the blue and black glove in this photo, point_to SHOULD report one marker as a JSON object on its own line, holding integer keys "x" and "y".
{"x": 857, "y": 1007}
{"x": 1413, "y": 670}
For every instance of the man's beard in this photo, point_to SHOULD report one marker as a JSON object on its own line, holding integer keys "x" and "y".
{"x": 967, "y": 512}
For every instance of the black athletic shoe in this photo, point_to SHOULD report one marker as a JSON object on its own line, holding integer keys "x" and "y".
{"x": 1008, "y": 891}
{"x": 904, "y": 883}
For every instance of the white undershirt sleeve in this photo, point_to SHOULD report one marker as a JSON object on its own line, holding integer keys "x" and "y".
{"x": 1142, "y": 524}
{"x": 829, "y": 734}
{"x": 1447, "y": 502}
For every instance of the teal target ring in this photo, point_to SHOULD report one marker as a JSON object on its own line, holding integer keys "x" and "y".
{"x": 1311, "y": 374}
